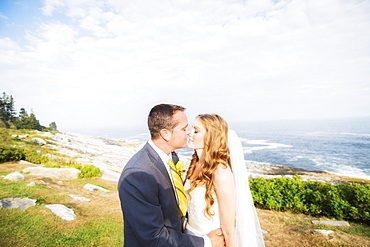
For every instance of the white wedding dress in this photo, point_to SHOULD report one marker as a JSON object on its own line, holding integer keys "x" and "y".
{"x": 248, "y": 229}
{"x": 200, "y": 223}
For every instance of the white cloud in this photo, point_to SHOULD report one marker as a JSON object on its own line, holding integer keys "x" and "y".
{"x": 51, "y": 5}
{"x": 3, "y": 16}
{"x": 264, "y": 59}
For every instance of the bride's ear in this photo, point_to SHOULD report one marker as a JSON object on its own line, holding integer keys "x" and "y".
{"x": 165, "y": 134}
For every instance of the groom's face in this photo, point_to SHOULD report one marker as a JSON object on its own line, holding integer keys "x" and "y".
{"x": 181, "y": 131}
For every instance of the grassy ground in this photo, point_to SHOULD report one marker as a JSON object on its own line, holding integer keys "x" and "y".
{"x": 288, "y": 229}
{"x": 99, "y": 222}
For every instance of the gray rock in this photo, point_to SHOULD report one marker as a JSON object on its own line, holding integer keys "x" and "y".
{"x": 92, "y": 188}
{"x": 55, "y": 173}
{"x": 23, "y": 162}
{"x": 20, "y": 203}
{"x": 83, "y": 160}
{"x": 62, "y": 137}
{"x": 15, "y": 176}
{"x": 62, "y": 211}
{"x": 33, "y": 183}
{"x": 330, "y": 222}
{"x": 110, "y": 175}
{"x": 324, "y": 232}
{"x": 39, "y": 141}
{"x": 21, "y": 136}
{"x": 79, "y": 198}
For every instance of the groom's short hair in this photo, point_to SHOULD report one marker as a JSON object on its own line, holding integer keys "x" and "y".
{"x": 161, "y": 117}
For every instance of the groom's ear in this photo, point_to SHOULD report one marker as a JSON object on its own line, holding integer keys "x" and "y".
{"x": 165, "y": 134}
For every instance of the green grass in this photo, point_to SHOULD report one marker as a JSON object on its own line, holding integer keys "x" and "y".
{"x": 33, "y": 228}
{"x": 98, "y": 222}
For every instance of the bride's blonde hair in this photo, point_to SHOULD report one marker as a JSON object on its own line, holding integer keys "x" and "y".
{"x": 216, "y": 151}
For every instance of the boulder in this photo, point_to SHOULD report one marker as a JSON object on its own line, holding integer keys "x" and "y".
{"x": 21, "y": 136}
{"x": 23, "y": 162}
{"x": 330, "y": 222}
{"x": 79, "y": 198}
{"x": 324, "y": 232}
{"x": 39, "y": 141}
{"x": 110, "y": 175}
{"x": 20, "y": 203}
{"x": 93, "y": 188}
{"x": 62, "y": 137}
{"x": 62, "y": 211}
{"x": 84, "y": 160}
{"x": 15, "y": 176}
{"x": 55, "y": 173}
{"x": 33, "y": 183}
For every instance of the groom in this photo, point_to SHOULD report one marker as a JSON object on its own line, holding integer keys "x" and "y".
{"x": 148, "y": 200}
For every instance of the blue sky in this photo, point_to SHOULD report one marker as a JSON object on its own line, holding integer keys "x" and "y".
{"x": 92, "y": 64}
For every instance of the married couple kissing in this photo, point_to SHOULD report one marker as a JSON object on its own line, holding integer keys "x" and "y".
{"x": 213, "y": 206}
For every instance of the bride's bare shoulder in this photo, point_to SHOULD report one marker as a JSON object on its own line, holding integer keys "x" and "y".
{"x": 223, "y": 173}
{"x": 224, "y": 182}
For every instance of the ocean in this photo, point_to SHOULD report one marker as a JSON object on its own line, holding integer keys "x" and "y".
{"x": 340, "y": 146}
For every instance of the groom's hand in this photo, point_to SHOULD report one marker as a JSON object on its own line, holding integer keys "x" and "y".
{"x": 217, "y": 238}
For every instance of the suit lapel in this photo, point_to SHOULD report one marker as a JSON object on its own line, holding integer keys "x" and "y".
{"x": 158, "y": 163}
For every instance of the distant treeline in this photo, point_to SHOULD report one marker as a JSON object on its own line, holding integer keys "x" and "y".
{"x": 10, "y": 119}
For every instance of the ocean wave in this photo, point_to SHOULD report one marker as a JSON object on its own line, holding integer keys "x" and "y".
{"x": 334, "y": 165}
{"x": 261, "y": 145}
{"x": 355, "y": 134}
{"x": 334, "y": 134}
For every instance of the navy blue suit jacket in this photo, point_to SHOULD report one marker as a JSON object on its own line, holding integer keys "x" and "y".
{"x": 149, "y": 206}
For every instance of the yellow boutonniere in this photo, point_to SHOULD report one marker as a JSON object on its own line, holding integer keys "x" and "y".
{"x": 180, "y": 168}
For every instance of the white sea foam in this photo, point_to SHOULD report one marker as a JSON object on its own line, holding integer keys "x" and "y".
{"x": 261, "y": 145}
{"x": 337, "y": 167}
{"x": 355, "y": 134}
{"x": 325, "y": 133}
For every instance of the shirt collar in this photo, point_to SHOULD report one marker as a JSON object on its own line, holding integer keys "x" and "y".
{"x": 164, "y": 157}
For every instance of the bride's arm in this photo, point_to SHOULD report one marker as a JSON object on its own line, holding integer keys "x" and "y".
{"x": 226, "y": 196}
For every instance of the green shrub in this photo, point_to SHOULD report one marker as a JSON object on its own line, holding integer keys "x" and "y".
{"x": 344, "y": 201}
{"x": 358, "y": 196}
{"x": 5, "y": 137}
{"x": 36, "y": 156}
{"x": 11, "y": 154}
{"x": 89, "y": 171}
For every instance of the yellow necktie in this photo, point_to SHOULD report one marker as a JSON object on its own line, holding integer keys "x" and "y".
{"x": 180, "y": 191}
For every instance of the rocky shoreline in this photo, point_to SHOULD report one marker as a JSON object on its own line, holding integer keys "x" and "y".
{"x": 111, "y": 156}
{"x": 266, "y": 170}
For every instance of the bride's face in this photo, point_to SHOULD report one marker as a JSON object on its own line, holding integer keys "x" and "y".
{"x": 196, "y": 137}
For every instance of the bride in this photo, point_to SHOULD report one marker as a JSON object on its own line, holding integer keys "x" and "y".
{"x": 217, "y": 185}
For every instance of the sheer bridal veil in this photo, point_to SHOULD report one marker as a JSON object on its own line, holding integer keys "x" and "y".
{"x": 248, "y": 229}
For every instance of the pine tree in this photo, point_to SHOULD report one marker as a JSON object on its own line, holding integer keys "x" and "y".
{"x": 52, "y": 126}
{"x": 34, "y": 123}
{"x": 22, "y": 121}
{"x": 7, "y": 112}
{"x": 8, "y": 118}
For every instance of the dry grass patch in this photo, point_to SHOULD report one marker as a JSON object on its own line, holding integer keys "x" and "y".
{"x": 6, "y": 168}
{"x": 288, "y": 229}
